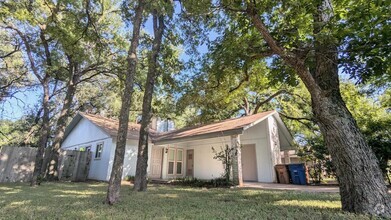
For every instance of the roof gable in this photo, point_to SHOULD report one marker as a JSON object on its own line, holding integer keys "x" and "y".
{"x": 107, "y": 125}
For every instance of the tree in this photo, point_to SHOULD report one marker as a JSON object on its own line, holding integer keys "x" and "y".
{"x": 362, "y": 187}
{"x": 113, "y": 191}
{"x": 43, "y": 78}
{"x": 140, "y": 183}
{"x": 302, "y": 36}
{"x": 64, "y": 47}
{"x": 87, "y": 54}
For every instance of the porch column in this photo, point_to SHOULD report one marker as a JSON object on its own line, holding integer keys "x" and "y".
{"x": 237, "y": 175}
{"x": 287, "y": 158}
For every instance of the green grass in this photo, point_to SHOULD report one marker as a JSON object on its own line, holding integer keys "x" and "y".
{"x": 85, "y": 201}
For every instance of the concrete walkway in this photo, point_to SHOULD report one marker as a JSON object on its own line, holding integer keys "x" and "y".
{"x": 303, "y": 188}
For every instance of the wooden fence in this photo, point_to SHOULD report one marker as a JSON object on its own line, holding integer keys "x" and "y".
{"x": 17, "y": 164}
{"x": 74, "y": 165}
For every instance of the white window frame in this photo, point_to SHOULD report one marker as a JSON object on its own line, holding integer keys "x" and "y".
{"x": 175, "y": 161}
{"x": 178, "y": 161}
{"x": 169, "y": 161}
{"x": 98, "y": 153}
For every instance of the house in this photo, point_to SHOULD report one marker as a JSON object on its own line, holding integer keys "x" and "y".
{"x": 290, "y": 157}
{"x": 185, "y": 152}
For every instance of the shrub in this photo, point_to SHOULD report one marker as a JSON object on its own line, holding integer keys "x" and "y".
{"x": 129, "y": 178}
{"x": 194, "y": 182}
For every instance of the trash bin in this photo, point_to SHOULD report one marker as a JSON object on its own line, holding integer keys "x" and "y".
{"x": 298, "y": 173}
{"x": 282, "y": 173}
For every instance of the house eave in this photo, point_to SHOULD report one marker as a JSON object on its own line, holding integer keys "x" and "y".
{"x": 198, "y": 137}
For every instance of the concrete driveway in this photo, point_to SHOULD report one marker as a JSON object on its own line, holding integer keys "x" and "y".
{"x": 303, "y": 188}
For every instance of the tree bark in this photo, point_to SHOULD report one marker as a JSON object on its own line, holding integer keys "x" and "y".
{"x": 44, "y": 81}
{"x": 362, "y": 187}
{"x": 237, "y": 173}
{"x": 140, "y": 182}
{"x": 52, "y": 166}
{"x": 44, "y": 133}
{"x": 113, "y": 190}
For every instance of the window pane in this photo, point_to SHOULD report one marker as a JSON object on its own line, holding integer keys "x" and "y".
{"x": 170, "y": 167}
{"x": 179, "y": 168}
{"x": 179, "y": 155}
{"x": 99, "y": 150}
{"x": 171, "y": 154}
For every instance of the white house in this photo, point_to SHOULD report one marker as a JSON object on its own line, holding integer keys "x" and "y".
{"x": 185, "y": 152}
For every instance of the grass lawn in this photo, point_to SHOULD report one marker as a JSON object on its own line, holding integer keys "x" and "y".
{"x": 84, "y": 201}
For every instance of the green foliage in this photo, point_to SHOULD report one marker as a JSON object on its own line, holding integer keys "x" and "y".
{"x": 364, "y": 30}
{"x": 129, "y": 178}
{"x": 225, "y": 155}
{"x": 194, "y": 182}
{"x": 19, "y": 133}
{"x": 316, "y": 153}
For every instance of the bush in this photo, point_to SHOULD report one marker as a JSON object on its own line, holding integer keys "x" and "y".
{"x": 129, "y": 178}
{"x": 194, "y": 182}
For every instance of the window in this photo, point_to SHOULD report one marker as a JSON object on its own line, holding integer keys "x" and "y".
{"x": 179, "y": 159}
{"x": 99, "y": 150}
{"x": 171, "y": 161}
{"x": 175, "y": 161}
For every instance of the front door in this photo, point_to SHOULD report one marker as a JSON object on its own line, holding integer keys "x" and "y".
{"x": 190, "y": 163}
{"x": 249, "y": 163}
{"x": 156, "y": 165}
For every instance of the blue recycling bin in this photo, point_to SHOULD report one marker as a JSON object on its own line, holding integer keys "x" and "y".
{"x": 298, "y": 173}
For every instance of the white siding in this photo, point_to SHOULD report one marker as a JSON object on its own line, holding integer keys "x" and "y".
{"x": 99, "y": 167}
{"x": 130, "y": 160}
{"x": 274, "y": 144}
{"x": 258, "y": 135}
{"x": 86, "y": 134}
{"x": 205, "y": 167}
{"x": 83, "y": 133}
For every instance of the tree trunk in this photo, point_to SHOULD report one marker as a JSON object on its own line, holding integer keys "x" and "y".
{"x": 44, "y": 133}
{"x": 140, "y": 182}
{"x": 113, "y": 190}
{"x": 361, "y": 183}
{"x": 52, "y": 163}
{"x": 362, "y": 187}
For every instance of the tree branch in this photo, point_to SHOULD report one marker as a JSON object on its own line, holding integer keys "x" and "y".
{"x": 300, "y": 120}
{"x": 290, "y": 58}
{"x": 259, "y": 104}
{"x": 16, "y": 49}
{"x": 28, "y": 50}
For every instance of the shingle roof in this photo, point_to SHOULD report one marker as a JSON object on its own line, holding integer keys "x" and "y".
{"x": 221, "y": 128}
{"x": 217, "y": 127}
{"x": 110, "y": 126}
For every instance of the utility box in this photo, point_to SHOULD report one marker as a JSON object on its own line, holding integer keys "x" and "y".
{"x": 282, "y": 173}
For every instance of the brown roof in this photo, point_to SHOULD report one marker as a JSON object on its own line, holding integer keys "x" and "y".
{"x": 217, "y": 128}
{"x": 110, "y": 126}
{"x": 221, "y": 128}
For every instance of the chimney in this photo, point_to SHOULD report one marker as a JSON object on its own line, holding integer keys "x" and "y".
{"x": 153, "y": 124}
